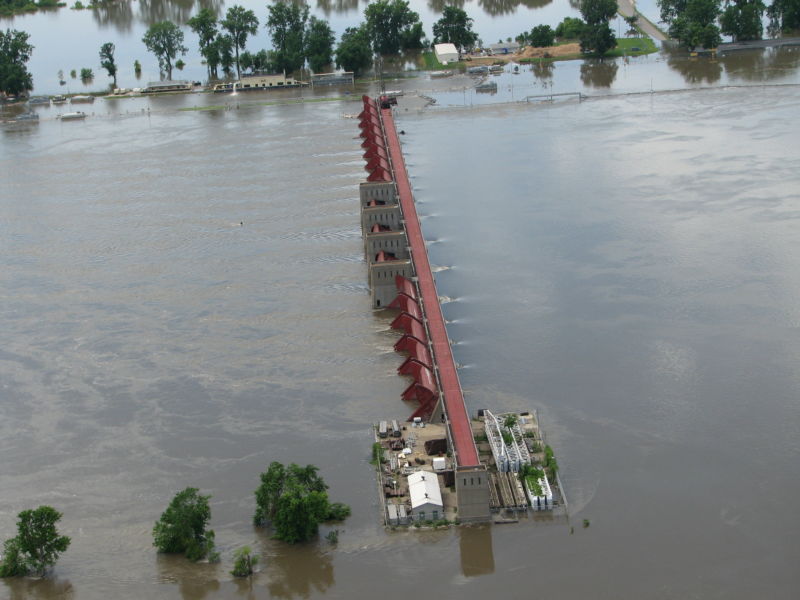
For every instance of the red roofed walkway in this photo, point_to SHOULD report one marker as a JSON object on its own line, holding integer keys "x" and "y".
{"x": 456, "y": 410}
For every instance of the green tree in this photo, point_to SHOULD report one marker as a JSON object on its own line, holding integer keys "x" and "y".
{"x": 37, "y": 544}
{"x": 540, "y": 36}
{"x": 15, "y": 51}
{"x": 239, "y": 22}
{"x": 287, "y": 27}
{"x": 741, "y": 20}
{"x": 354, "y": 52}
{"x": 165, "y": 40}
{"x": 204, "y": 24}
{"x": 570, "y": 28}
{"x": 784, "y": 16}
{"x": 632, "y": 21}
{"x": 393, "y": 26}
{"x": 182, "y": 527}
{"x": 224, "y": 47}
{"x": 455, "y": 27}
{"x": 86, "y": 75}
{"x": 107, "y": 61}
{"x": 695, "y": 26}
{"x": 243, "y": 562}
{"x": 319, "y": 40}
{"x": 597, "y": 37}
{"x": 295, "y": 501}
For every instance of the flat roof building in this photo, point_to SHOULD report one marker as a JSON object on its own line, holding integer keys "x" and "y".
{"x": 426, "y": 496}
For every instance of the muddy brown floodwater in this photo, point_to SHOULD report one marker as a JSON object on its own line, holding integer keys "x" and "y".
{"x": 627, "y": 266}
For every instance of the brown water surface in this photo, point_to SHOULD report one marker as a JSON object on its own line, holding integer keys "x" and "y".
{"x": 183, "y": 300}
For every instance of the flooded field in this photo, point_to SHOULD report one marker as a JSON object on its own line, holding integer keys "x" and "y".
{"x": 184, "y": 300}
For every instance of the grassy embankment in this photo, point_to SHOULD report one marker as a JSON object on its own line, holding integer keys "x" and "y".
{"x": 625, "y": 47}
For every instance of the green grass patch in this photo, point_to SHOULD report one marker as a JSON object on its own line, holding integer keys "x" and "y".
{"x": 625, "y": 47}
{"x": 431, "y": 63}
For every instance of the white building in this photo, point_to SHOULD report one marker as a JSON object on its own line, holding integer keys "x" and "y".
{"x": 426, "y": 496}
{"x": 446, "y": 53}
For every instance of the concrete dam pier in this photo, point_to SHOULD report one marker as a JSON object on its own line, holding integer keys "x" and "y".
{"x": 401, "y": 279}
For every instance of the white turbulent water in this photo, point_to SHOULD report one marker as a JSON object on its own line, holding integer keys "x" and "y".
{"x": 625, "y": 265}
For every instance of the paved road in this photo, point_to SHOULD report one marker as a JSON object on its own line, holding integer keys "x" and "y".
{"x": 627, "y": 7}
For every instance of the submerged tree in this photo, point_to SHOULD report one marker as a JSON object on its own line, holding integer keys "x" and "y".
{"x": 107, "y": 61}
{"x": 597, "y": 37}
{"x": 243, "y": 562}
{"x": 295, "y": 501}
{"x": 165, "y": 40}
{"x": 286, "y": 24}
{"x": 784, "y": 16}
{"x": 182, "y": 527}
{"x": 741, "y": 20}
{"x": 319, "y": 40}
{"x": 239, "y": 23}
{"x": 15, "y": 51}
{"x": 393, "y": 26}
{"x": 692, "y": 22}
{"x": 204, "y": 24}
{"x": 37, "y": 544}
{"x": 354, "y": 52}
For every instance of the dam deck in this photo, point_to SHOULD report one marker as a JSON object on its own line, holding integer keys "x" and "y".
{"x": 466, "y": 453}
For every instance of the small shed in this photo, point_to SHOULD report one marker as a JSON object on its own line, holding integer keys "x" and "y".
{"x": 446, "y": 53}
{"x": 426, "y": 496}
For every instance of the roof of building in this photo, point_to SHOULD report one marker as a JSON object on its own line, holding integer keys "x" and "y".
{"x": 445, "y": 48}
{"x": 423, "y": 487}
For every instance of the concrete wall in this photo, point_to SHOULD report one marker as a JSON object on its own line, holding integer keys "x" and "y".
{"x": 381, "y": 278}
{"x": 389, "y": 241}
{"x": 377, "y": 190}
{"x": 425, "y": 512}
{"x": 391, "y": 216}
{"x": 472, "y": 492}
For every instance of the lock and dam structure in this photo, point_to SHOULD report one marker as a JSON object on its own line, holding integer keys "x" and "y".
{"x": 400, "y": 278}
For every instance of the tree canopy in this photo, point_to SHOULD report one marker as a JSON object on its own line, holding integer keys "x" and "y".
{"x": 597, "y": 36}
{"x": 287, "y": 27}
{"x": 742, "y": 20}
{"x": 784, "y": 16}
{"x": 393, "y": 26}
{"x": 455, "y": 27}
{"x": 15, "y": 51}
{"x": 319, "y": 40}
{"x": 182, "y": 527}
{"x": 204, "y": 24}
{"x": 295, "y": 501}
{"x": 540, "y": 36}
{"x": 107, "y": 60}
{"x": 692, "y": 22}
{"x": 570, "y": 28}
{"x": 354, "y": 52}
{"x": 37, "y": 544}
{"x": 165, "y": 40}
{"x": 239, "y": 22}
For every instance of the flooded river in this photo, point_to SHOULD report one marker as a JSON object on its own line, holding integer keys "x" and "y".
{"x": 184, "y": 300}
